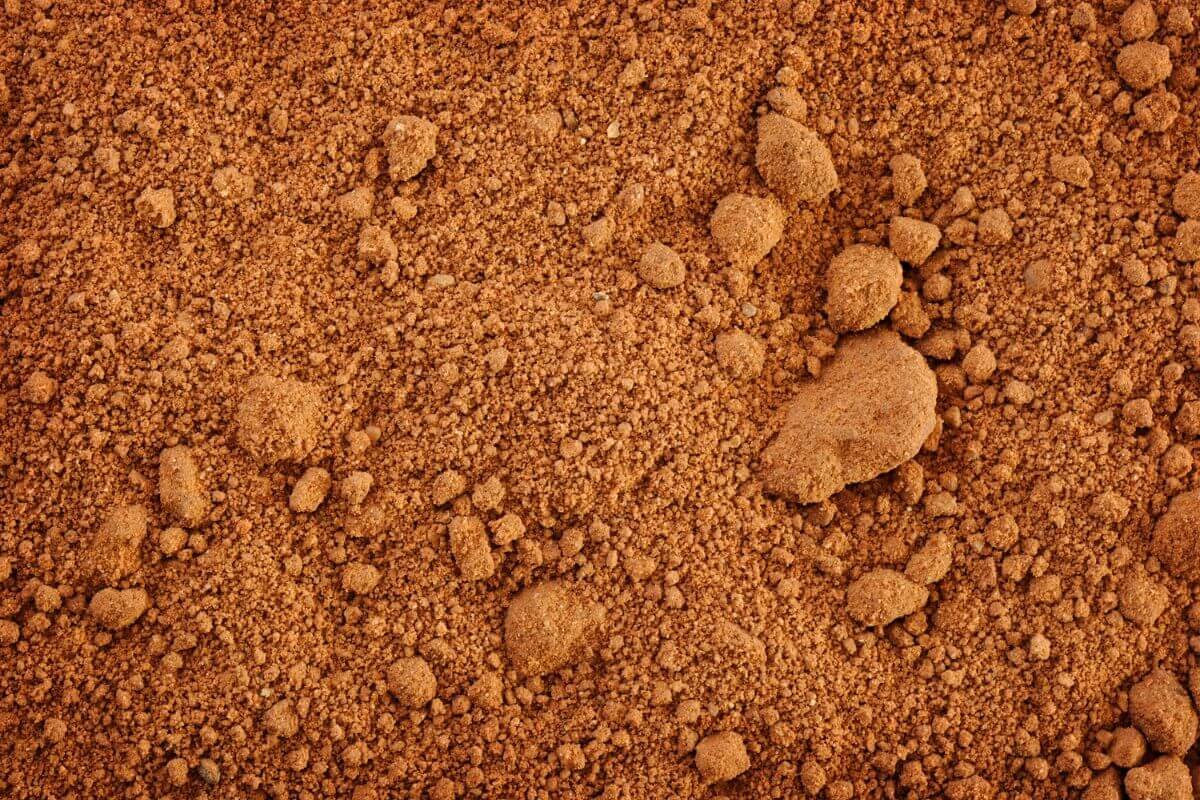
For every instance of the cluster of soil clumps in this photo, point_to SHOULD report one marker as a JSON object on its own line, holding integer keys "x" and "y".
{"x": 793, "y": 399}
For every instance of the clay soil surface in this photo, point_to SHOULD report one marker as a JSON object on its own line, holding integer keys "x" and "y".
{"x": 585, "y": 399}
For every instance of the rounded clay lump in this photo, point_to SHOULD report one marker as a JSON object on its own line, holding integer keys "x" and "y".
{"x": 793, "y": 160}
{"x": 548, "y": 626}
{"x": 862, "y": 285}
{"x": 278, "y": 419}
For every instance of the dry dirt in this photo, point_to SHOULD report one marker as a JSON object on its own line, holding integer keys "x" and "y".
{"x": 599, "y": 400}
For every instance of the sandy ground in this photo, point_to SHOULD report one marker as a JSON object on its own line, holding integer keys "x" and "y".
{"x": 576, "y": 400}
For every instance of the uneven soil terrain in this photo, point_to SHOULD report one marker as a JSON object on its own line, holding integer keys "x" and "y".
{"x": 773, "y": 399}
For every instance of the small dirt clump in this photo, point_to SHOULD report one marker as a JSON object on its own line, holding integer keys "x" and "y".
{"x": 1187, "y": 240}
{"x": 862, "y": 285}
{"x": 908, "y": 178}
{"x": 278, "y": 419}
{"x": 1144, "y": 65}
{"x": 995, "y": 227}
{"x": 1074, "y": 170}
{"x": 118, "y": 608}
{"x": 447, "y": 486}
{"x": 1157, "y": 111}
{"x": 310, "y": 490}
{"x": 745, "y": 228}
{"x": 411, "y": 681}
{"x": 721, "y": 757}
{"x": 869, "y": 411}
{"x": 472, "y": 552}
{"x": 1161, "y": 709}
{"x": 1164, "y": 778}
{"x": 1141, "y": 600}
{"x": 1139, "y": 21}
{"x": 115, "y": 550}
{"x": 883, "y": 596}
{"x": 375, "y": 245}
{"x": 359, "y": 578}
{"x": 913, "y": 240}
{"x": 157, "y": 207}
{"x": 661, "y": 267}
{"x": 179, "y": 488}
{"x": 740, "y": 354}
{"x": 38, "y": 388}
{"x": 547, "y": 627}
{"x": 1128, "y": 747}
{"x": 281, "y": 719}
{"x": 931, "y": 563}
{"x": 1185, "y": 197}
{"x": 411, "y": 142}
{"x": 1174, "y": 541}
{"x": 793, "y": 160}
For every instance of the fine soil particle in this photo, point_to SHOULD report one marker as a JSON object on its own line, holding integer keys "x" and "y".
{"x": 581, "y": 399}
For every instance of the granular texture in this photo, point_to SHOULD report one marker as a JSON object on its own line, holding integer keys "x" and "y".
{"x": 454, "y": 400}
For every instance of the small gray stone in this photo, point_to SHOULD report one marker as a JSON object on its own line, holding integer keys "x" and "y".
{"x": 208, "y": 771}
